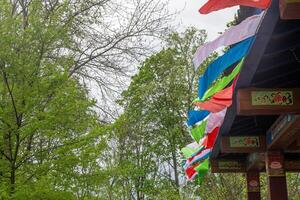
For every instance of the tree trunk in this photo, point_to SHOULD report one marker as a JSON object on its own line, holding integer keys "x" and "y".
{"x": 12, "y": 177}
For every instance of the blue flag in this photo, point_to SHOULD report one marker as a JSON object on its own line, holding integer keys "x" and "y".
{"x": 215, "y": 69}
{"x": 195, "y": 116}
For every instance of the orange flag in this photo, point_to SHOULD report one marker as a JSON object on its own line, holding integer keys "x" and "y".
{"x": 218, "y": 102}
{"x": 214, "y": 5}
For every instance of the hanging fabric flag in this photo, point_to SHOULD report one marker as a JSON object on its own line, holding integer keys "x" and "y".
{"x": 191, "y": 150}
{"x": 190, "y": 172}
{"x": 197, "y": 158}
{"x": 214, "y": 5}
{"x": 221, "y": 83}
{"x": 195, "y": 116}
{"x": 211, "y": 138}
{"x": 219, "y": 101}
{"x": 197, "y": 170}
{"x": 199, "y": 131}
{"x": 202, "y": 169}
{"x": 214, "y": 120}
{"x": 235, "y": 34}
{"x": 215, "y": 69}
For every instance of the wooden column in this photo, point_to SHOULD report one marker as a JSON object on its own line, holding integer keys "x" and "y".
{"x": 277, "y": 187}
{"x": 253, "y": 185}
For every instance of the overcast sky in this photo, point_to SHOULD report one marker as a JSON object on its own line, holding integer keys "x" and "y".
{"x": 214, "y": 22}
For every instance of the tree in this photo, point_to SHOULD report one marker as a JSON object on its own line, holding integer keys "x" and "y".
{"x": 106, "y": 38}
{"x": 151, "y": 130}
{"x": 46, "y": 117}
{"x": 49, "y": 129}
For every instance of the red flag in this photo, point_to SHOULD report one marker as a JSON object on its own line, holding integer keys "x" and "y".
{"x": 190, "y": 172}
{"x": 218, "y": 102}
{"x": 214, "y": 5}
{"x": 211, "y": 138}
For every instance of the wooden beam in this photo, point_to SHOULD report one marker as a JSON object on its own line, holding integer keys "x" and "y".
{"x": 293, "y": 148}
{"x": 253, "y": 185}
{"x": 277, "y": 186}
{"x": 292, "y": 165}
{"x": 283, "y": 132}
{"x": 268, "y": 101}
{"x": 227, "y": 166}
{"x": 289, "y": 9}
{"x": 243, "y": 144}
{"x": 237, "y": 165}
{"x": 255, "y": 162}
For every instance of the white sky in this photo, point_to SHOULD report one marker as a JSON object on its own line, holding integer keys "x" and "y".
{"x": 189, "y": 16}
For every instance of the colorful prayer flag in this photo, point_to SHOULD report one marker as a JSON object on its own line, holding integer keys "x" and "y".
{"x": 219, "y": 101}
{"x": 195, "y": 116}
{"x": 216, "y": 68}
{"x": 214, "y": 120}
{"x": 199, "y": 130}
{"x": 235, "y": 34}
{"x": 214, "y": 5}
{"x": 191, "y": 173}
{"x": 202, "y": 169}
{"x": 199, "y": 157}
{"x": 191, "y": 149}
{"x": 222, "y": 82}
{"x": 211, "y": 138}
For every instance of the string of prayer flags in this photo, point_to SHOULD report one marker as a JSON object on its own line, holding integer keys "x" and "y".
{"x": 214, "y": 92}
{"x": 216, "y": 68}
{"x": 195, "y": 116}
{"x": 235, "y": 34}
{"x": 215, "y": 5}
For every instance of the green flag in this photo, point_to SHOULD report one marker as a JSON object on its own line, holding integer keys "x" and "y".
{"x": 221, "y": 83}
{"x": 202, "y": 169}
{"x": 191, "y": 149}
{"x": 199, "y": 131}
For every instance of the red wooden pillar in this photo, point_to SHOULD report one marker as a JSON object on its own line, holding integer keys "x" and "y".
{"x": 253, "y": 185}
{"x": 276, "y": 176}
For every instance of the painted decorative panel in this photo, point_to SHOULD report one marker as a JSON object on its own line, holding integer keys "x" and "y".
{"x": 272, "y": 98}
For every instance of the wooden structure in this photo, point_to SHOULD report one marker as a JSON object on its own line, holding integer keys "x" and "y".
{"x": 261, "y": 130}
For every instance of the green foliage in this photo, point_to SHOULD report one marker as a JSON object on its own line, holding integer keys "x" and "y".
{"x": 49, "y": 134}
{"x": 151, "y": 130}
{"x": 52, "y": 145}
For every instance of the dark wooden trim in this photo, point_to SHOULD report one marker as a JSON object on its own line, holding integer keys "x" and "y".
{"x": 227, "y": 166}
{"x": 283, "y": 132}
{"x": 292, "y": 165}
{"x": 237, "y": 165}
{"x": 253, "y": 185}
{"x": 256, "y": 162}
{"x": 277, "y": 186}
{"x": 289, "y": 10}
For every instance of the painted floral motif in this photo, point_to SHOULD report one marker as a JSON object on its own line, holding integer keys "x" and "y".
{"x": 272, "y": 97}
{"x": 244, "y": 141}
